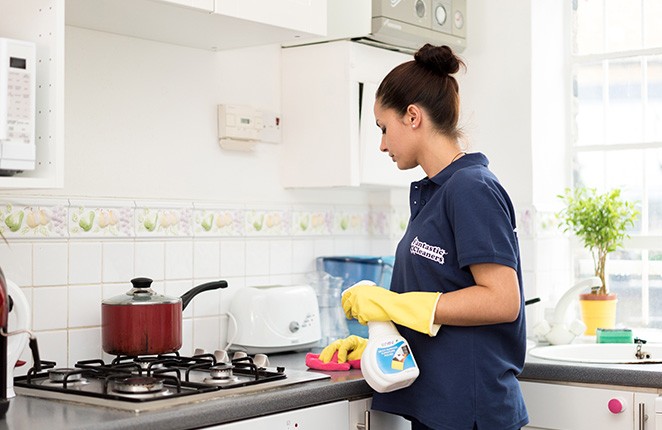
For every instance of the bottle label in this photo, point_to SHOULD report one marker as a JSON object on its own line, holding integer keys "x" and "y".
{"x": 394, "y": 357}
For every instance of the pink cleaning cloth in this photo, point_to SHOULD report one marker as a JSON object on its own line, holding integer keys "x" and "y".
{"x": 313, "y": 362}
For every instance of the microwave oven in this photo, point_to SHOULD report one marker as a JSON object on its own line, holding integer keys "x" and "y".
{"x": 17, "y": 106}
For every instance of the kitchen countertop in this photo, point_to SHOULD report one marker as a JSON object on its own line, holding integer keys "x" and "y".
{"x": 28, "y": 412}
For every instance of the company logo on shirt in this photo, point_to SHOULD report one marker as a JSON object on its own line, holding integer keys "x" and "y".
{"x": 434, "y": 253}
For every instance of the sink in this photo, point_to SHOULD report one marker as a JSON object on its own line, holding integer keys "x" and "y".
{"x": 614, "y": 353}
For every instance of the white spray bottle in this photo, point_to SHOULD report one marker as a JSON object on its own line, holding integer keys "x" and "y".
{"x": 387, "y": 362}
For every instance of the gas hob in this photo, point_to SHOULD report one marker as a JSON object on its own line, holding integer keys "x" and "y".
{"x": 153, "y": 382}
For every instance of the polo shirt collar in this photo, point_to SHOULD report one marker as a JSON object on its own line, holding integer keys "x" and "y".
{"x": 468, "y": 160}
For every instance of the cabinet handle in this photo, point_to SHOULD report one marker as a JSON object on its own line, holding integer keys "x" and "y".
{"x": 642, "y": 416}
{"x": 366, "y": 424}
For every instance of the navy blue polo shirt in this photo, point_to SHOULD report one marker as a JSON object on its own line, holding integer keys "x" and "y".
{"x": 461, "y": 216}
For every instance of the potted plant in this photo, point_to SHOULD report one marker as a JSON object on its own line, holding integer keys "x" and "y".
{"x": 601, "y": 222}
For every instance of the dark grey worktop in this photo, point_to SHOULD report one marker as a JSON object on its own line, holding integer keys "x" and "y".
{"x": 32, "y": 413}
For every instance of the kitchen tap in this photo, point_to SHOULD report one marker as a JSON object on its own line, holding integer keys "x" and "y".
{"x": 556, "y": 331}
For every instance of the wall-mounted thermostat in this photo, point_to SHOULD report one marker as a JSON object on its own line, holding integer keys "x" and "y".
{"x": 17, "y": 106}
{"x": 241, "y": 127}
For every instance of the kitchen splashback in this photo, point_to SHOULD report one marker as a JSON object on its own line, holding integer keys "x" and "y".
{"x": 68, "y": 255}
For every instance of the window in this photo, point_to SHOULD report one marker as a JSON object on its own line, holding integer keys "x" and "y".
{"x": 616, "y": 127}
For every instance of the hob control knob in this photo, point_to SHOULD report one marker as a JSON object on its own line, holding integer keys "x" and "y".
{"x": 616, "y": 405}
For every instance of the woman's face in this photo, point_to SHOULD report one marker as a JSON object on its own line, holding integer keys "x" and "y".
{"x": 397, "y": 137}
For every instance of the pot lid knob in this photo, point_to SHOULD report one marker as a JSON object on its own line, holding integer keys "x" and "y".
{"x": 140, "y": 283}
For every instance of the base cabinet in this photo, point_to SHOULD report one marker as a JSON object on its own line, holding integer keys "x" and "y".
{"x": 332, "y": 416}
{"x": 360, "y": 409}
{"x": 569, "y": 407}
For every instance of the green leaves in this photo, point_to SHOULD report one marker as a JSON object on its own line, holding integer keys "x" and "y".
{"x": 599, "y": 220}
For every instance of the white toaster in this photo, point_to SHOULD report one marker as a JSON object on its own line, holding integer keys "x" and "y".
{"x": 274, "y": 318}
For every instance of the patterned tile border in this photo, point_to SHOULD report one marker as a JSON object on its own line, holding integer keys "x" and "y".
{"x": 89, "y": 218}
{"x": 163, "y": 219}
{"x": 267, "y": 222}
{"x": 312, "y": 221}
{"x": 109, "y": 218}
{"x": 214, "y": 221}
{"x": 34, "y": 218}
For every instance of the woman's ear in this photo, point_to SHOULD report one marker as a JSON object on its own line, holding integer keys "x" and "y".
{"x": 413, "y": 116}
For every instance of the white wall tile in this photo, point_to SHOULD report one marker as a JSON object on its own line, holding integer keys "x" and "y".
{"x": 49, "y": 308}
{"x": 281, "y": 279}
{"x": 233, "y": 258}
{"x": 112, "y": 290}
{"x": 234, "y": 285}
{"x": 16, "y": 262}
{"x": 187, "y": 338}
{"x": 324, "y": 247}
{"x": 118, "y": 261}
{"x": 84, "y": 305}
{"x": 179, "y": 259}
{"x": 84, "y": 344}
{"x": 177, "y": 289}
{"x": 84, "y": 262}
{"x": 257, "y": 257}
{"x": 303, "y": 256}
{"x": 207, "y": 333}
{"x": 207, "y": 303}
{"x": 206, "y": 259}
{"x": 53, "y": 346}
{"x": 50, "y": 263}
{"x": 280, "y": 257}
{"x": 150, "y": 259}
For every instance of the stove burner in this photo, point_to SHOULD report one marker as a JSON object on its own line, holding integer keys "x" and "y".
{"x": 149, "y": 363}
{"x": 62, "y": 373}
{"x": 221, "y": 374}
{"x": 138, "y": 385}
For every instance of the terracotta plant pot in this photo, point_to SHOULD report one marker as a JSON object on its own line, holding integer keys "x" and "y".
{"x": 598, "y": 311}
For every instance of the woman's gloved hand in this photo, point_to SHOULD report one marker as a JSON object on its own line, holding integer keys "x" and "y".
{"x": 349, "y": 349}
{"x": 415, "y": 310}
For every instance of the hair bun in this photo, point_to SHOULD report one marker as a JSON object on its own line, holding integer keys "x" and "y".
{"x": 438, "y": 59}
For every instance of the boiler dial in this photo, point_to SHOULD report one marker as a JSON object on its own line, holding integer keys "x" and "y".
{"x": 440, "y": 14}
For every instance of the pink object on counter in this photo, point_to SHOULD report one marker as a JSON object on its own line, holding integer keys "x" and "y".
{"x": 313, "y": 362}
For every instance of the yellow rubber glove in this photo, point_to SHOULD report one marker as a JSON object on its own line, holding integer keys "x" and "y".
{"x": 349, "y": 349}
{"x": 372, "y": 303}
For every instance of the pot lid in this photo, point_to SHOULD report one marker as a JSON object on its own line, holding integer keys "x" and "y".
{"x": 141, "y": 294}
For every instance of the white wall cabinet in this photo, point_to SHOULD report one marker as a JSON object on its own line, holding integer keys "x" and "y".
{"x": 378, "y": 420}
{"x": 41, "y": 22}
{"x": 330, "y": 138}
{"x": 204, "y": 24}
{"x": 306, "y": 16}
{"x": 569, "y": 407}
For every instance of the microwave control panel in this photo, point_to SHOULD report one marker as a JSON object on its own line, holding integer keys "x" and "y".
{"x": 17, "y": 105}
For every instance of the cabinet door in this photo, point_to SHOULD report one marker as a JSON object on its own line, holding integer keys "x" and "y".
{"x": 206, "y": 5}
{"x": 308, "y": 16}
{"x": 329, "y": 134}
{"x": 378, "y": 420}
{"x": 564, "y": 407}
{"x": 644, "y": 413}
{"x": 332, "y": 416}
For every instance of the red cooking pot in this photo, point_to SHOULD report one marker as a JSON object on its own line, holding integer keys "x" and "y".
{"x": 142, "y": 322}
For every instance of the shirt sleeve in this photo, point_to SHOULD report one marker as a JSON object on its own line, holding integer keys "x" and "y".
{"x": 483, "y": 221}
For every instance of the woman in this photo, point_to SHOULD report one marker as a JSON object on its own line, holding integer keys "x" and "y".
{"x": 456, "y": 290}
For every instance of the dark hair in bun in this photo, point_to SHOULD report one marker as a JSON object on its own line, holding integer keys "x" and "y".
{"x": 427, "y": 82}
{"x": 438, "y": 59}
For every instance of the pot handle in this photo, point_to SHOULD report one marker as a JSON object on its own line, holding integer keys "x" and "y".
{"x": 188, "y": 296}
